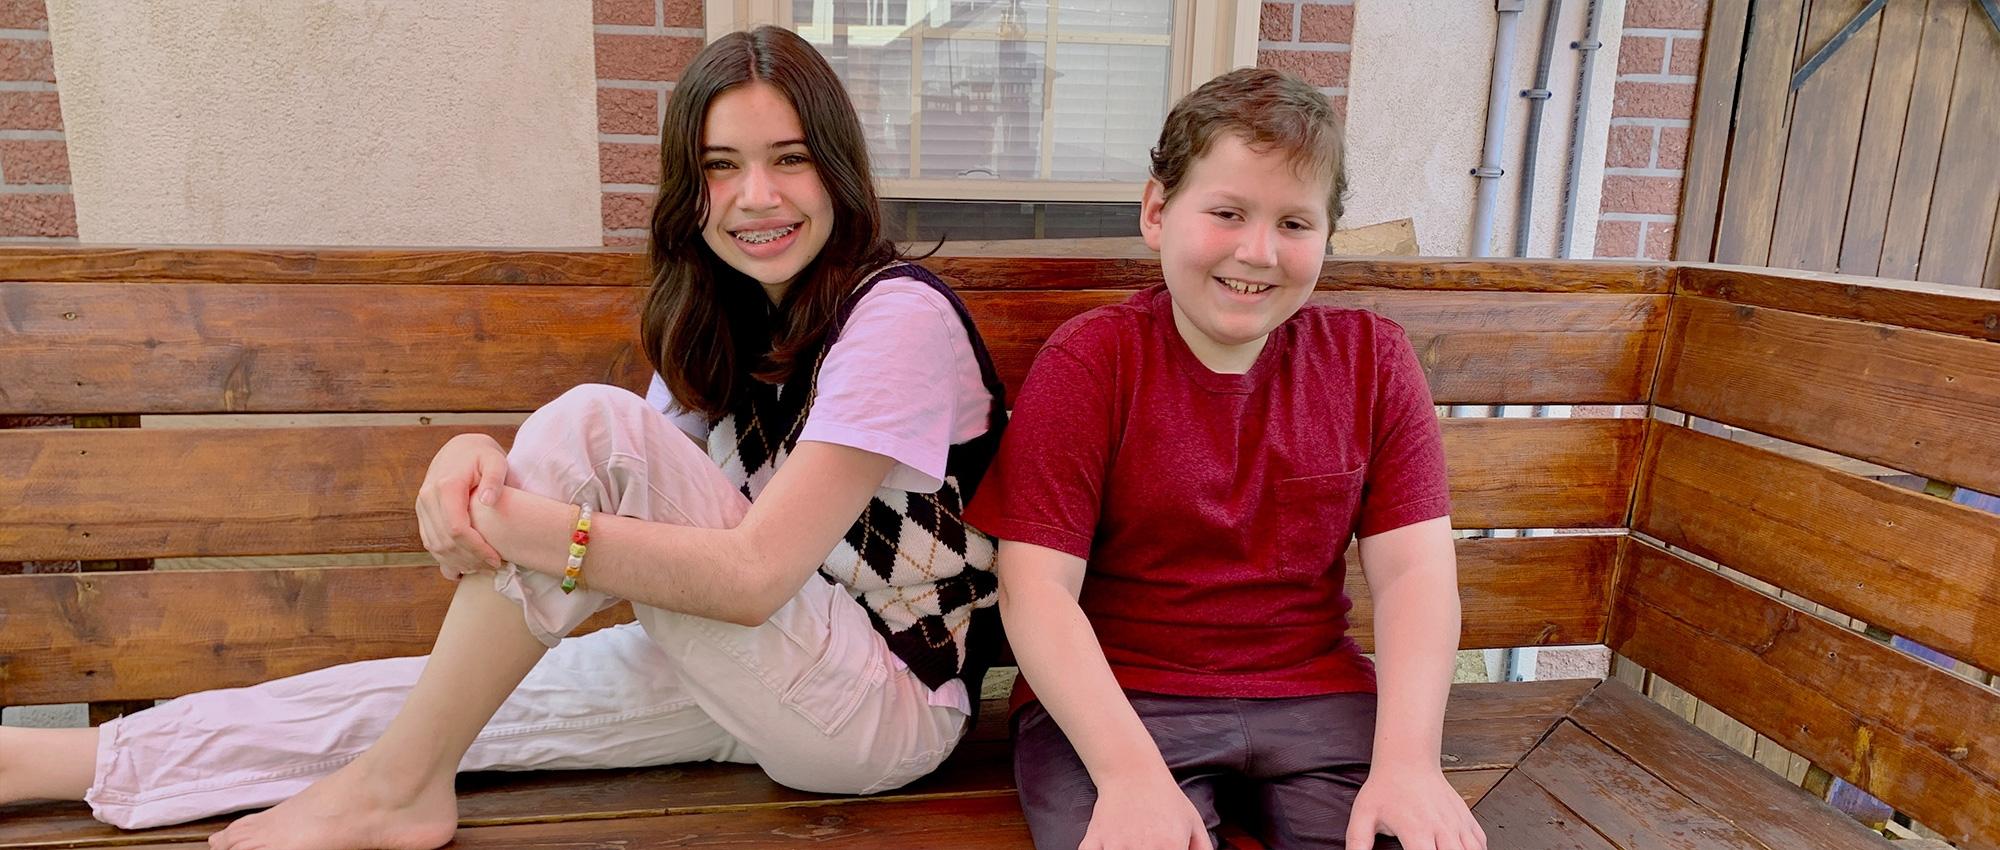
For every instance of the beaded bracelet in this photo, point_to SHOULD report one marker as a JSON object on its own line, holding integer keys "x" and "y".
{"x": 579, "y": 542}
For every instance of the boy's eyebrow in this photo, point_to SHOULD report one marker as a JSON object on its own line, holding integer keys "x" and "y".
{"x": 1229, "y": 197}
{"x": 725, "y": 149}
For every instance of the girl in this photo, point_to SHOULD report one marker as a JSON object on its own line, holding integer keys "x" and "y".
{"x": 808, "y": 598}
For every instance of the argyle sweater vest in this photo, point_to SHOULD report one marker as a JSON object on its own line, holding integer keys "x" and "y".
{"x": 925, "y": 577}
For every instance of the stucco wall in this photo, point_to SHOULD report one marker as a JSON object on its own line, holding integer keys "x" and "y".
{"x": 381, "y": 122}
{"x": 1417, "y": 114}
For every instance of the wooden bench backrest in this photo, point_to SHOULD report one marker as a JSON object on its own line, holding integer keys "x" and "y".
{"x": 108, "y": 331}
{"x": 1905, "y": 377}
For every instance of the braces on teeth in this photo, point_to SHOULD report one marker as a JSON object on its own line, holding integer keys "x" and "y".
{"x": 759, "y": 237}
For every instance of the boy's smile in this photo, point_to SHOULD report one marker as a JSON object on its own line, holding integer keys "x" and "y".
{"x": 1241, "y": 244}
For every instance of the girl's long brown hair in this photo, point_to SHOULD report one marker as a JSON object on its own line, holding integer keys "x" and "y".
{"x": 707, "y": 328}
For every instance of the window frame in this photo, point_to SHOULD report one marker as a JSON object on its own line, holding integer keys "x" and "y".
{"x": 1209, "y": 38}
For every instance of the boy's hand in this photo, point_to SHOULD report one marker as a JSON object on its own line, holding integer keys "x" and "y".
{"x": 1150, "y": 815}
{"x": 1416, "y": 805}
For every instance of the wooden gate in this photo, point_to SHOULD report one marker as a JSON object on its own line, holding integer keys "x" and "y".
{"x": 1858, "y": 136}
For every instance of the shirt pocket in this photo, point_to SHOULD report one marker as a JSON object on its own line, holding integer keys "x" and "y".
{"x": 1315, "y": 514}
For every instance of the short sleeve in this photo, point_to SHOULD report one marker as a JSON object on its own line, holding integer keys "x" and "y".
{"x": 894, "y": 383}
{"x": 1406, "y": 480}
{"x": 1046, "y": 487}
{"x": 661, "y": 399}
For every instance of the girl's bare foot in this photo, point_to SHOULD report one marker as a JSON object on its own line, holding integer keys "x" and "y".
{"x": 353, "y": 809}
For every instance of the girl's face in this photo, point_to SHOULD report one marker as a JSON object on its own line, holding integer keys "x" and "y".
{"x": 768, "y": 213}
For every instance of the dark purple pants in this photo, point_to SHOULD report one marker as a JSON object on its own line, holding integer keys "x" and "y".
{"x": 1286, "y": 769}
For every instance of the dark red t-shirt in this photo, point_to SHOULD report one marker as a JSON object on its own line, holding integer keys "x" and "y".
{"x": 1214, "y": 510}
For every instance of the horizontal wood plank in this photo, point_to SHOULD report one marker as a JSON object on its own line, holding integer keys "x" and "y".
{"x": 102, "y": 494}
{"x": 1051, "y": 269}
{"x": 218, "y": 492}
{"x": 1761, "y": 803}
{"x": 215, "y": 348}
{"x": 1542, "y": 473}
{"x": 1919, "y": 401}
{"x": 500, "y": 798}
{"x": 1918, "y": 737}
{"x": 1960, "y": 310}
{"x": 263, "y": 348}
{"x": 1518, "y": 815}
{"x": 473, "y": 266}
{"x": 978, "y": 823}
{"x": 1473, "y": 785}
{"x": 1487, "y": 724}
{"x": 1621, "y": 800}
{"x": 1526, "y": 348}
{"x": 1917, "y": 565}
{"x": 1517, "y": 591}
{"x": 152, "y": 635}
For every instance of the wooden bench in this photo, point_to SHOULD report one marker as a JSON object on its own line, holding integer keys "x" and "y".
{"x": 1900, "y": 375}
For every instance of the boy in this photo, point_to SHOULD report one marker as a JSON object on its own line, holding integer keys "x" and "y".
{"x": 1206, "y": 449}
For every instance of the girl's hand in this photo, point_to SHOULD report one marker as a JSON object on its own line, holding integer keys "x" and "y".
{"x": 469, "y": 466}
{"x": 1149, "y": 815}
{"x": 1416, "y": 805}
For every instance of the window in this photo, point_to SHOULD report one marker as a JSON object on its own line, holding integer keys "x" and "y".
{"x": 1012, "y": 100}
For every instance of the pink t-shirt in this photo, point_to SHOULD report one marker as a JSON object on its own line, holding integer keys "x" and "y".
{"x": 901, "y": 382}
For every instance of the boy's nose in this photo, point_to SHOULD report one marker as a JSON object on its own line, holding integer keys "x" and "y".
{"x": 1258, "y": 248}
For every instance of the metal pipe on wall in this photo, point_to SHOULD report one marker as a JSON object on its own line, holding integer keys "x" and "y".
{"x": 1487, "y": 199}
{"x": 1587, "y": 67}
{"x": 1538, "y": 99}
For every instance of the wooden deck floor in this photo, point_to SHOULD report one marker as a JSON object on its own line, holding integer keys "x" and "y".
{"x": 1568, "y": 764}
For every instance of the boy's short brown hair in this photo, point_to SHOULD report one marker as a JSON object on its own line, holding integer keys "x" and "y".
{"x": 1269, "y": 110}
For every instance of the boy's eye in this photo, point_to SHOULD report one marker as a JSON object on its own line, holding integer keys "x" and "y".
{"x": 1295, "y": 224}
{"x": 1226, "y": 215}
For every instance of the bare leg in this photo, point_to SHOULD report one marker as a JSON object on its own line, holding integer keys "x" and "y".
{"x": 398, "y": 795}
{"x": 46, "y": 764}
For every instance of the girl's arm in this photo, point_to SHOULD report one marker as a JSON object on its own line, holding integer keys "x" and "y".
{"x": 1413, "y": 578}
{"x": 1139, "y": 802}
{"x": 739, "y": 575}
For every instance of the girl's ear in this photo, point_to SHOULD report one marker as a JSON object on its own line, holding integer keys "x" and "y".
{"x": 1152, "y": 208}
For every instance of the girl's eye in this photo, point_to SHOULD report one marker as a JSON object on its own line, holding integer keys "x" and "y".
{"x": 793, "y": 159}
{"x": 717, "y": 165}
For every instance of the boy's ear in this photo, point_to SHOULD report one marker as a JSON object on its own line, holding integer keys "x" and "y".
{"x": 1152, "y": 207}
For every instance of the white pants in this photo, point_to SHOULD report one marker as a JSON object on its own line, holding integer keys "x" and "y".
{"x": 813, "y": 696}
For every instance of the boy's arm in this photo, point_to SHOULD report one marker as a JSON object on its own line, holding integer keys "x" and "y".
{"x": 1138, "y": 803}
{"x": 1413, "y": 579}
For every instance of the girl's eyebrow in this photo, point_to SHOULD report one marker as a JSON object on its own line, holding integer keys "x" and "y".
{"x": 722, "y": 149}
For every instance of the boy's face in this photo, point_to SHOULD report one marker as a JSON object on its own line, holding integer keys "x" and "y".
{"x": 1241, "y": 245}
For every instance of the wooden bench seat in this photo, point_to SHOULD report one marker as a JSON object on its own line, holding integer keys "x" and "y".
{"x": 1560, "y": 764}
{"x": 1699, "y": 558}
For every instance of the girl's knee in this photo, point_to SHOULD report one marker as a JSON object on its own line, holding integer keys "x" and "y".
{"x": 590, "y": 402}
{"x": 577, "y": 426}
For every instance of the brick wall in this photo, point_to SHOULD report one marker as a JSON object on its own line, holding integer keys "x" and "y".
{"x": 1310, "y": 38}
{"x": 642, "y": 46}
{"x": 35, "y": 203}
{"x": 1653, "y": 106}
